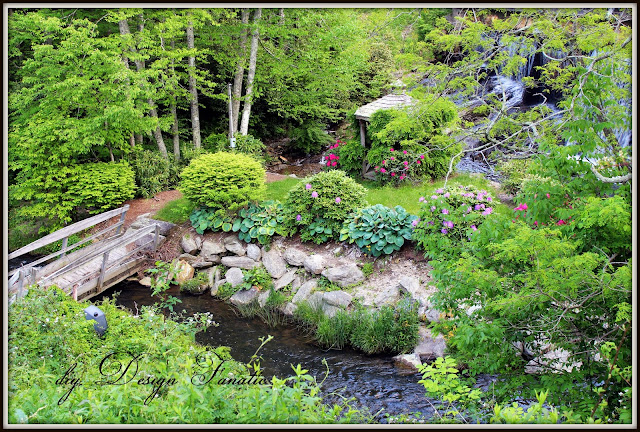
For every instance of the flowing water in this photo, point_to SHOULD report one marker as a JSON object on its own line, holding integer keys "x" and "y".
{"x": 373, "y": 380}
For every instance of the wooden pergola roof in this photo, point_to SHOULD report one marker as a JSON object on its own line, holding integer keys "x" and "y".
{"x": 389, "y": 101}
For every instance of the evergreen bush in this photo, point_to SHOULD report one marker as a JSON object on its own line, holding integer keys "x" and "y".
{"x": 318, "y": 205}
{"x": 102, "y": 186}
{"x": 153, "y": 173}
{"x": 223, "y": 181}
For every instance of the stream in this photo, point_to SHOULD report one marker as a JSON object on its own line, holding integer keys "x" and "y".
{"x": 373, "y": 380}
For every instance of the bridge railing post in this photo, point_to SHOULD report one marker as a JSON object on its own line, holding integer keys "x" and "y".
{"x": 156, "y": 237}
{"x": 64, "y": 246}
{"x": 122, "y": 216}
{"x": 105, "y": 257}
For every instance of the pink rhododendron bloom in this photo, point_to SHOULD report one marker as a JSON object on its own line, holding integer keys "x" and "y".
{"x": 334, "y": 163}
{"x": 430, "y": 223}
{"x": 377, "y": 168}
{"x": 434, "y": 197}
{"x": 401, "y": 177}
{"x": 382, "y": 170}
{"x": 446, "y": 195}
{"x": 469, "y": 209}
{"x": 439, "y": 191}
{"x": 415, "y": 223}
{"x": 445, "y": 211}
{"x": 314, "y": 194}
{"x": 393, "y": 174}
{"x": 391, "y": 149}
{"x": 489, "y": 199}
{"x": 433, "y": 208}
{"x": 405, "y": 163}
{"x": 535, "y": 223}
{"x": 421, "y": 156}
{"x": 473, "y": 227}
{"x": 488, "y": 211}
{"x": 298, "y": 218}
{"x": 548, "y": 196}
{"x": 418, "y": 162}
{"x": 328, "y": 163}
{"x": 421, "y": 199}
{"x": 308, "y": 186}
{"x": 384, "y": 162}
{"x": 404, "y": 152}
{"x": 392, "y": 158}
{"x": 444, "y": 231}
{"x": 561, "y": 222}
{"x": 338, "y": 200}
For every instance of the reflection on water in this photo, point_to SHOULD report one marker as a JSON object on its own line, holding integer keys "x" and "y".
{"x": 374, "y": 381}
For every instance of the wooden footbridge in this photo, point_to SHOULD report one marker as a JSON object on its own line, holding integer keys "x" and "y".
{"x": 109, "y": 256}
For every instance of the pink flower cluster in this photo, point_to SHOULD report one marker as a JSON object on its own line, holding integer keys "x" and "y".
{"x": 334, "y": 158}
{"x": 397, "y": 173}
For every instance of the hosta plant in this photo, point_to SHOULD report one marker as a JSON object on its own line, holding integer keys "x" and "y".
{"x": 259, "y": 222}
{"x": 378, "y": 229}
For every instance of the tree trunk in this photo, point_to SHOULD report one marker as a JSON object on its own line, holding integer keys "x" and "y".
{"x": 246, "y": 112}
{"x": 281, "y": 15}
{"x": 157, "y": 133}
{"x": 237, "y": 79}
{"x": 174, "y": 114}
{"x": 195, "y": 110}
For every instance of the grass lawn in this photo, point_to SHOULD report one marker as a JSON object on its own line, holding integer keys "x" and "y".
{"x": 407, "y": 196}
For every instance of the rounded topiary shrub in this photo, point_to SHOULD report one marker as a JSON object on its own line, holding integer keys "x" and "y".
{"x": 319, "y": 205}
{"x": 102, "y": 186}
{"x": 223, "y": 181}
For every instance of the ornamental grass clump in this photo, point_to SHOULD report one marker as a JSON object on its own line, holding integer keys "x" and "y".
{"x": 450, "y": 217}
{"x": 318, "y": 206}
{"x": 224, "y": 182}
{"x": 378, "y": 229}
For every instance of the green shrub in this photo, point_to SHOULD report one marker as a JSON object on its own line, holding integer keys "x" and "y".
{"x": 318, "y": 205}
{"x": 417, "y": 130}
{"x": 514, "y": 172}
{"x": 260, "y": 222}
{"x": 309, "y": 137}
{"x": 153, "y": 173}
{"x": 449, "y": 218}
{"x": 378, "y": 229}
{"x": 103, "y": 186}
{"x": 346, "y": 156}
{"x": 246, "y": 144}
{"x": 195, "y": 284}
{"x": 225, "y": 291}
{"x": 48, "y": 334}
{"x": 334, "y": 332}
{"x": 223, "y": 181}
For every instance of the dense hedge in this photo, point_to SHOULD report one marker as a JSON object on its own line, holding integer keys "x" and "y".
{"x": 103, "y": 186}
{"x": 223, "y": 181}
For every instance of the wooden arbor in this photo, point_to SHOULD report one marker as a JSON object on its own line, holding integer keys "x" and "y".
{"x": 364, "y": 113}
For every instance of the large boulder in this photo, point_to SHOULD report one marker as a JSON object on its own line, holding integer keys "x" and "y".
{"x": 304, "y": 291}
{"x": 411, "y": 285}
{"x": 388, "y": 296}
{"x": 244, "y": 297}
{"x": 285, "y": 280}
{"x": 145, "y": 281}
{"x": 213, "y": 275}
{"x": 429, "y": 348}
{"x": 273, "y": 262}
{"x": 188, "y": 244}
{"x": 184, "y": 272}
{"x": 263, "y": 297}
{"x": 187, "y": 257}
{"x": 216, "y": 286}
{"x": 344, "y": 275}
{"x": 234, "y": 276}
{"x": 211, "y": 248}
{"x": 337, "y": 298}
{"x": 314, "y": 264}
{"x": 233, "y": 245}
{"x": 294, "y": 257}
{"x": 254, "y": 252}
{"x": 240, "y": 262}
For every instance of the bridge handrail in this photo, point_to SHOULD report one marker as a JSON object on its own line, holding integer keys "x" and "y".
{"x": 117, "y": 242}
{"x": 65, "y": 232}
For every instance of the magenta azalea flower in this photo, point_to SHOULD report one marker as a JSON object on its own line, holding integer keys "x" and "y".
{"x": 446, "y": 195}
{"x": 338, "y": 200}
{"x": 415, "y": 223}
{"x": 444, "y": 231}
{"x": 314, "y": 194}
{"x": 391, "y": 149}
{"x": 548, "y": 196}
{"x": 382, "y": 170}
{"x": 298, "y": 218}
{"x": 308, "y": 186}
{"x": 393, "y": 174}
{"x": 439, "y": 191}
{"x": 334, "y": 163}
{"x": 421, "y": 199}
{"x": 445, "y": 211}
{"x": 473, "y": 227}
{"x": 404, "y": 152}
{"x": 433, "y": 208}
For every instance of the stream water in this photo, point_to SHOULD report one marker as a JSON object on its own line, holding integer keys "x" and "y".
{"x": 374, "y": 381}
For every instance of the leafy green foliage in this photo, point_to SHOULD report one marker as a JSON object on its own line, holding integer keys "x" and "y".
{"x": 260, "y": 222}
{"x": 162, "y": 277}
{"x": 245, "y": 144}
{"x": 318, "y": 205}
{"x": 349, "y": 156}
{"x": 378, "y": 229}
{"x": 49, "y": 334}
{"x": 153, "y": 172}
{"x": 414, "y": 135}
{"x": 103, "y": 186}
{"x": 195, "y": 284}
{"x": 223, "y": 181}
{"x": 451, "y": 217}
{"x": 309, "y": 137}
{"x": 514, "y": 171}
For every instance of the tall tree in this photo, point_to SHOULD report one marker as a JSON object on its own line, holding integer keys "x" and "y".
{"x": 195, "y": 109}
{"x": 253, "y": 57}
{"x": 123, "y": 25}
{"x": 239, "y": 75}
